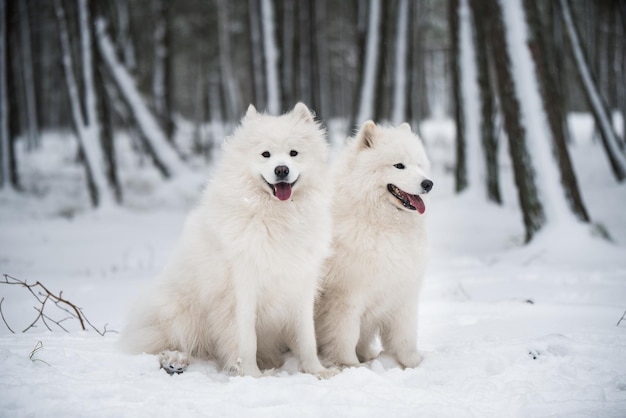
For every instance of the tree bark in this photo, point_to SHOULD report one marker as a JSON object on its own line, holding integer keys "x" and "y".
{"x": 162, "y": 69}
{"x": 32, "y": 121}
{"x": 5, "y": 160}
{"x": 163, "y": 155}
{"x": 487, "y": 103}
{"x": 460, "y": 173}
{"x": 75, "y": 104}
{"x": 601, "y": 115}
{"x": 552, "y": 105}
{"x": 257, "y": 69}
{"x": 270, "y": 50}
{"x": 532, "y": 210}
{"x": 399, "y": 113}
{"x": 232, "y": 107}
{"x": 323, "y": 106}
{"x": 367, "y": 89}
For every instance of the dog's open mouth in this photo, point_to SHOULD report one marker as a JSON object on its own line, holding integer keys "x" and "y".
{"x": 282, "y": 190}
{"x": 409, "y": 201}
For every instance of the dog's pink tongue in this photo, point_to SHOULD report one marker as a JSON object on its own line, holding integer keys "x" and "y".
{"x": 417, "y": 203}
{"x": 283, "y": 191}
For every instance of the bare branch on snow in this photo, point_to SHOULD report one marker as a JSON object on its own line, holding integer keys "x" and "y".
{"x": 43, "y": 296}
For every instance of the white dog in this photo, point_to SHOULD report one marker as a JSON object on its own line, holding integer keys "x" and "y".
{"x": 374, "y": 274}
{"x": 242, "y": 283}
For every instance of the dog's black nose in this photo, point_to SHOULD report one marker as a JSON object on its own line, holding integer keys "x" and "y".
{"x": 281, "y": 171}
{"x": 427, "y": 185}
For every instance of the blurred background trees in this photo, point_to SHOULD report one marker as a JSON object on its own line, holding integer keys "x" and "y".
{"x": 146, "y": 67}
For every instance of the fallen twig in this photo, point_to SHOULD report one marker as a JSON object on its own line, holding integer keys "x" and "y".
{"x": 621, "y": 319}
{"x": 3, "y": 319}
{"x": 43, "y": 296}
{"x": 38, "y": 347}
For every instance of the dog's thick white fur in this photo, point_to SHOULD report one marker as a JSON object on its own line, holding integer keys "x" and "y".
{"x": 373, "y": 277}
{"x": 241, "y": 285}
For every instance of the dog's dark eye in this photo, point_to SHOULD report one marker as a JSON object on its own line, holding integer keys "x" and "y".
{"x": 399, "y": 166}
{"x": 266, "y": 154}
{"x": 293, "y": 153}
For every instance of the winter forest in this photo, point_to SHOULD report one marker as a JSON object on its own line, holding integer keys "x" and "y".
{"x": 113, "y": 112}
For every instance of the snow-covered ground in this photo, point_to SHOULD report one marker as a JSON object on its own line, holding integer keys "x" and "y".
{"x": 505, "y": 329}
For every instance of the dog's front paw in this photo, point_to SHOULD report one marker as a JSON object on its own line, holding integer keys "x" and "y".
{"x": 238, "y": 368}
{"x": 327, "y": 373}
{"x": 410, "y": 360}
{"x": 173, "y": 362}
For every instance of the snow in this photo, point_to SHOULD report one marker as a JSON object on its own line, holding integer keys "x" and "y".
{"x": 505, "y": 329}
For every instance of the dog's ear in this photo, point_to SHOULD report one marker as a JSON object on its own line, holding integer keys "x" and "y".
{"x": 365, "y": 137}
{"x": 405, "y": 127}
{"x": 251, "y": 112}
{"x": 302, "y": 112}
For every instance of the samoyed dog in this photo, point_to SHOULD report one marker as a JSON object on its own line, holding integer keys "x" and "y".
{"x": 373, "y": 276}
{"x": 241, "y": 285}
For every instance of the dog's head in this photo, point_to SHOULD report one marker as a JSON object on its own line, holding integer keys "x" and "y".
{"x": 394, "y": 160}
{"x": 282, "y": 152}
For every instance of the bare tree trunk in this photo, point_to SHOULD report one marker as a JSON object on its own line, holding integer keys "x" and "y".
{"x": 105, "y": 116}
{"x": 161, "y": 76}
{"x": 383, "y": 86}
{"x": 305, "y": 61}
{"x": 233, "y": 96}
{"x": 487, "y": 103}
{"x": 257, "y": 69}
{"x": 552, "y": 105}
{"x": 288, "y": 62}
{"x": 461, "y": 181}
{"x": 320, "y": 36}
{"x": 367, "y": 89}
{"x": 598, "y": 108}
{"x": 417, "y": 88}
{"x": 5, "y": 161}
{"x": 271, "y": 57}
{"x": 80, "y": 124}
{"x": 32, "y": 124}
{"x": 124, "y": 38}
{"x": 399, "y": 113}
{"x": 532, "y": 209}
{"x": 163, "y": 155}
